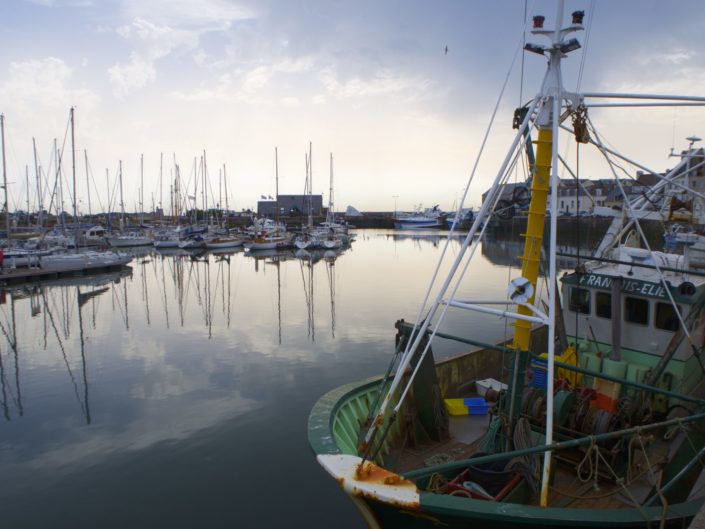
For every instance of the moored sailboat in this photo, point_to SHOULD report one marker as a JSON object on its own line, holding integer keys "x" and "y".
{"x": 602, "y": 422}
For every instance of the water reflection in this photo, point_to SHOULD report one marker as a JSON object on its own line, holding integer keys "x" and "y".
{"x": 56, "y": 301}
{"x": 162, "y": 386}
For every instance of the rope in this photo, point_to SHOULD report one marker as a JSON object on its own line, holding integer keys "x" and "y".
{"x": 528, "y": 466}
{"x": 438, "y": 459}
{"x": 656, "y": 483}
{"x": 437, "y": 483}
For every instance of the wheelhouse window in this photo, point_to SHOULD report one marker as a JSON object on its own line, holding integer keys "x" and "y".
{"x": 603, "y": 304}
{"x": 579, "y": 300}
{"x": 636, "y": 310}
{"x": 666, "y": 318}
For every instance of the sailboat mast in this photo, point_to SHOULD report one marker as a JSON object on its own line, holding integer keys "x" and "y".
{"x": 88, "y": 183}
{"x": 161, "y": 172}
{"x": 107, "y": 185}
{"x": 58, "y": 186}
{"x": 40, "y": 204}
{"x": 276, "y": 184}
{"x": 73, "y": 167}
{"x": 205, "y": 190}
{"x": 26, "y": 177}
{"x": 310, "y": 186}
{"x": 141, "y": 190}
{"x": 330, "y": 192}
{"x": 225, "y": 183}
{"x": 122, "y": 202}
{"x": 4, "y": 172}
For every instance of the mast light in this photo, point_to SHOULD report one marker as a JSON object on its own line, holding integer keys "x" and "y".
{"x": 569, "y": 45}
{"x": 534, "y": 48}
{"x": 538, "y": 21}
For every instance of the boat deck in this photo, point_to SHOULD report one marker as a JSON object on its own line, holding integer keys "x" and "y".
{"x": 592, "y": 490}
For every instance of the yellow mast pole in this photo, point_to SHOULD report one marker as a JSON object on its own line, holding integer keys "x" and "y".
{"x": 533, "y": 238}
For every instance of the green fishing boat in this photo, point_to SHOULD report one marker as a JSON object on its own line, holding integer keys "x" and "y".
{"x": 591, "y": 415}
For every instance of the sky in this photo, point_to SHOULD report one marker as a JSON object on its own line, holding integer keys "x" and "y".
{"x": 368, "y": 81}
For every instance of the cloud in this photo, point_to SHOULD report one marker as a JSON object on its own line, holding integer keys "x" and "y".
{"x": 151, "y": 42}
{"x": 42, "y": 85}
{"x": 135, "y": 74}
{"x": 256, "y": 79}
{"x": 384, "y": 82}
{"x": 186, "y": 13}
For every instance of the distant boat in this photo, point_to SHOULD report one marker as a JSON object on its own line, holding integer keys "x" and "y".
{"x": 224, "y": 242}
{"x": 193, "y": 242}
{"x": 129, "y": 239}
{"x": 269, "y": 242}
{"x": 83, "y": 261}
{"x": 464, "y": 220}
{"x": 427, "y": 218}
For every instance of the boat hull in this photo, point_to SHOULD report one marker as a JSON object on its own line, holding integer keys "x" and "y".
{"x": 217, "y": 245}
{"x": 433, "y": 511}
{"x": 128, "y": 242}
{"x": 416, "y": 224}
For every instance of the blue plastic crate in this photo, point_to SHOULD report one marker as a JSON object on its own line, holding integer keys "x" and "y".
{"x": 539, "y": 370}
{"x": 476, "y": 406}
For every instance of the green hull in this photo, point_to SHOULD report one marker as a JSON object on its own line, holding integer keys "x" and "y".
{"x": 333, "y": 427}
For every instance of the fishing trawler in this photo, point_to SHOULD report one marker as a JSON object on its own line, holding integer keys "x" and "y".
{"x": 591, "y": 415}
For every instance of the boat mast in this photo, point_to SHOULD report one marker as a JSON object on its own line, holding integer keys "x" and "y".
{"x": 545, "y": 178}
{"x": 205, "y": 191}
{"x": 161, "y": 168}
{"x": 225, "y": 183}
{"x": 310, "y": 185}
{"x": 122, "y": 202}
{"x": 88, "y": 183}
{"x": 110, "y": 205}
{"x": 141, "y": 190}
{"x": 276, "y": 184}
{"x": 58, "y": 187}
{"x": 73, "y": 168}
{"x": 331, "y": 214}
{"x": 40, "y": 204}
{"x": 26, "y": 177}
{"x": 4, "y": 173}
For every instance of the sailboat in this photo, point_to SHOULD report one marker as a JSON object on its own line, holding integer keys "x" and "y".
{"x": 131, "y": 238}
{"x": 276, "y": 238}
{"x": 596, "y": 410}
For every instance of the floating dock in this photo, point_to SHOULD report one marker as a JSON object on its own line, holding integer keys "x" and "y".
{"x": 16, "y": 276}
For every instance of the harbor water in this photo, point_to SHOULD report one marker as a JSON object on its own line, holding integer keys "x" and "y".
{"x": 176, "y": 393}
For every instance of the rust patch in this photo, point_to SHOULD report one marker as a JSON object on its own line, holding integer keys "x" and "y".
{"x": 371, "y": 473}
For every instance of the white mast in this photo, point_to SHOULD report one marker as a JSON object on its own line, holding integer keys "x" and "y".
{"x": 142, "y": 206}
{"x": 122, "y": 202}
{"x": 331, "y": 213}
{"x": 40, "y": 202}
{"x": 4, "y": 174}
{"x": 88, "y": 183}
{"x": 310, "y": 186}
{"x": 553, "y": 92}
{"x": 73, "y": 170}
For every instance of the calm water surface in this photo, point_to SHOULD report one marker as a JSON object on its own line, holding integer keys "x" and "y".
{"x": 177, "y": 394}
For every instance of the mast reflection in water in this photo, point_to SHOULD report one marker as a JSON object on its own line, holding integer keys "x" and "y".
{"x": 174, "y": 393}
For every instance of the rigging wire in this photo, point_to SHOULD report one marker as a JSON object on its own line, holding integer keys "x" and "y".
{"x": 642, "y": 236}
{"x": 424, "y": 303}
{"x": 588, "y": 29}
